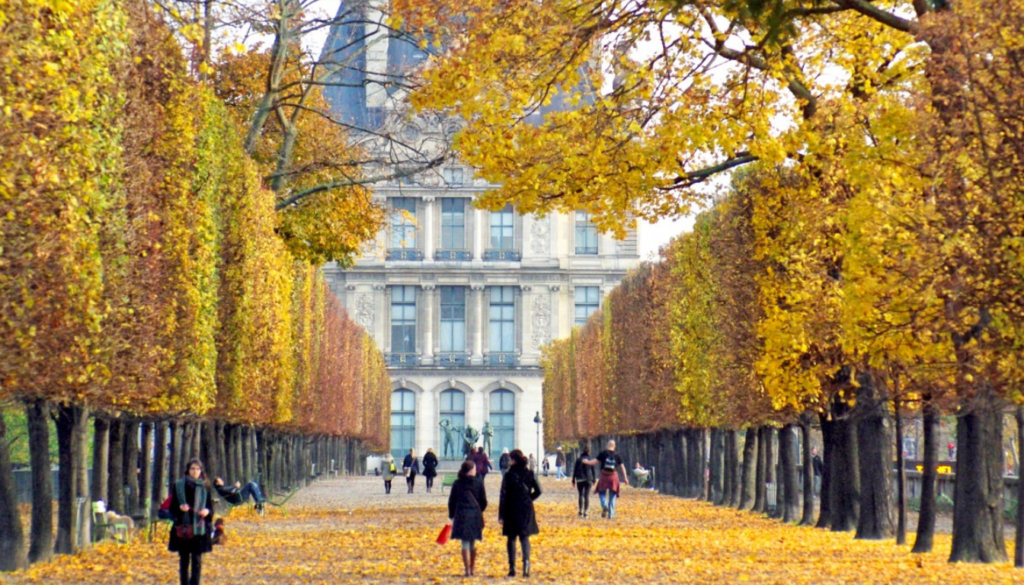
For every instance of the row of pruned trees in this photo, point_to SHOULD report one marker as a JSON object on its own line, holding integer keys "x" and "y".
{"x": 146, "y": 285}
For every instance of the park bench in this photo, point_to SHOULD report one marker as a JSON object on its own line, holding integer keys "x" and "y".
{"x": 282, "y": 502}
{"x": 448, "y": 481}
{"x": 105, "y": 528}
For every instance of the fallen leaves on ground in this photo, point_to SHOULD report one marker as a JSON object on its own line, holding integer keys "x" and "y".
{"x": 654, "y": 539}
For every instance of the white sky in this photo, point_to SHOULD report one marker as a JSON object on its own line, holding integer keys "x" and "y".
{"x": 654, "y": 236}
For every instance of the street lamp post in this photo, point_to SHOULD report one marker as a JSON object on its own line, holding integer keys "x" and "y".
{"x": 538, "y": 420}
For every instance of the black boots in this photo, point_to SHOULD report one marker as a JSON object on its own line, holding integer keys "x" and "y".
{"x": 526, "y": 568}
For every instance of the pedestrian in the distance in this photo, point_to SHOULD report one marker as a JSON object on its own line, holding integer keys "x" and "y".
{"x": 466, "y": 504}
{"x": 388, "y": 470}
{"x": 583, "y": 478}
{"x": 504, "y": 461}
{"x": 609, "y": 463}
{"x": 411, "y": 466}
{"x": 559, "y": 464}
{"x": 192, "y": 508}
{"x": 519, "y": 488}
{"x": 483, "y": 464}
{"x": 430, "y": 468}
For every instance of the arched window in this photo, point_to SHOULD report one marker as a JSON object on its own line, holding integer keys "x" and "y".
{"x": 453, "y": 409}
{"x": 503, "y": 421}
{"x": 403, "y": 422}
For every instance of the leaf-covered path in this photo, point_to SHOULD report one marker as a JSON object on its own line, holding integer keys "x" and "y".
{"x": 347, "y": 531}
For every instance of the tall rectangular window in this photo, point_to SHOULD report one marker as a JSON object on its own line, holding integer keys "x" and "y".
{"x": 453, "y": 176}
{"x": 588, "y": 299}
{"x": 502, "y": 232}
{"x": 586, "y": 234}
{"x": 453, "y": 224}
{"x": 453, "y": 319}
{"x": 403, "y": 223}
{"x": 403, "y": 319}
{"x": 502, "y": 319}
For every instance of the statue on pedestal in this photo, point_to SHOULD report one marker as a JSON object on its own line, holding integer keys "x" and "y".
{"x": 488, "y": 435}
{"x": 448, "y": 449}
{"x": 470, "y": 437}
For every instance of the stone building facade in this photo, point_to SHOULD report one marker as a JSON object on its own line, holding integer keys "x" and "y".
{"x": 461, "y": 300}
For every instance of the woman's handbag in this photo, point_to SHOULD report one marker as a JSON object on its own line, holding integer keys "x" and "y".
{"x": 184, "y": 531}
{"x": 446, "y": 533}
{"x": 408, "y": 470}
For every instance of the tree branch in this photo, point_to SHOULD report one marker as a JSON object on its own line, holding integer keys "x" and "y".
{"x": 887, "y": 18}
{"x": 347, "y": 182}
{"x": 693, "y": 177}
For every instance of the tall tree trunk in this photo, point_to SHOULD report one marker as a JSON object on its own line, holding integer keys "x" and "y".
{"x": 807, "y": 519}
{"x": 64, "y": 419}
{"x": 212, "y": 466}
{"x": 177, "y": 463}
{"x": 874, "y": 520}
{"x": 159, "y": 489}
{"x": 761, "y": 459}
{"x": 80, "y": 441}
{"x": 131, "y": 466}
{"x": 828, "y": 454}
{"x": 728, "y": 464}
{"x": 925, "y": 537}
{"x": 769, "y": 468}
{"x": 145, "y": 495}
{"x": 749, "y": 480}
{"x": 100, "y": 458}
{"x": 1018, "y": 548}
{"x": 715, "y": 493}
{"x": 787, "y": 457}
{"x": 901, "y": 477}
{"x": 845, "y": 477}
{"x": 702, "y": 459}
{"x": 40, "y": 546}
{"x": 12, "y": 538}
{"x": 196, "y": 447}
{"x": 978, "y": 491}
{"x": 115, "y": 467}
{"x": 247, "y": 471}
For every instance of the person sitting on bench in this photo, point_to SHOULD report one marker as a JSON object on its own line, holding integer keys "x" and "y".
{"x": 237, "y": 495}
{"x": 642, "y": 475}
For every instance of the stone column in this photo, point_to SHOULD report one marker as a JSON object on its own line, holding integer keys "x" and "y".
{"x": 477, "y": 306}
{"x": 426, "y": 422}
{"x": 427, "y": 313}
{"x": 428, "y": 228}
{"x": 554, "y": 325}
{"x": 478, "y": 234}
{"x": 524, "y": 326}
{"x": 382, "y": 303}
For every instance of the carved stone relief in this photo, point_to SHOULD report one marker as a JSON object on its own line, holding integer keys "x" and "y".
{"x": 539, "y": 231}
{"x": 541, "y": 320}
{"x": 364, "y": 311}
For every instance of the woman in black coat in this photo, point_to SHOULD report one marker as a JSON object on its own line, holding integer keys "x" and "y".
{"x": 466, "y": 504}
{"x": 430, "y": 468}
{"x": 192, "y": 508}
{"x": 411, "y": 467}
{"x": 519, "y": 488}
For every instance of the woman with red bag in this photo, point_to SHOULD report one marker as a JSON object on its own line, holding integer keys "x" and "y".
{"x": 466, "y": 504}
{"x": 192, "y": 508}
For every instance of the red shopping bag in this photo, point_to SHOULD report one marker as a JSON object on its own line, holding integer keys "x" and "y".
{"x": 446, "y": 533}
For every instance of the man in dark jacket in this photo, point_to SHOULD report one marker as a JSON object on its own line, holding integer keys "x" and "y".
{"x": 237, "y": 494}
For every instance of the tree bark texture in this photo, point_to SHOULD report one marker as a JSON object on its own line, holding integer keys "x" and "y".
{"x": 787, "y": 457}
{"x": 115, "y": 467}
{"x": 925, "y": 537}
{"x": 80, "y": 442}
{"x": 807, "y": 519}
{"x": 749, "y": 480}
{"x": 715, "y": 493}
{"x": 845, "y": 484}
{"x": 760, "y": 474}
{"x": 901, "y": 477}
{"x": 40, "y": 546}
{"x": 159, "y": 488}
{"x": 12, "y": 538}
{"x": 145, "y": 493}
{"x": 978, "y": 491}
{"x": 1018, "y": 548}
{"x": 874, "y": 520}
{"x": 828, "y": 454}
{"x": 131, "y": 466}
{"x": 64, "y": 419}
{"x": 100, "y": 458}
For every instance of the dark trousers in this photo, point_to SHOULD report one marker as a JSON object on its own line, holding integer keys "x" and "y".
{"x": 411, "y": 481}
{"x": 196, "y": 560}
{"x": 584, "y": 488}
{"x": 524, "y": 543}
{"x": 387, "y": 486}
{"x": 430, "y": 482}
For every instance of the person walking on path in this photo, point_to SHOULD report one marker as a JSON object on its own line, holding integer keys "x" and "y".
{"x": 411, "y": 466}
{"x": 519, "y": 488}
{"x": 608, "y": 482}
{"x": 192, "y": 508}
{"x": 483, "y": 464}
{"x": 559, "y": 464}
{"x": 583, "y": 478}
{"x": 430, "y": 468}
{"x": 388, "y": 470}
{"x": 504, "y": 461}
{"x": 466, "y": 504}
